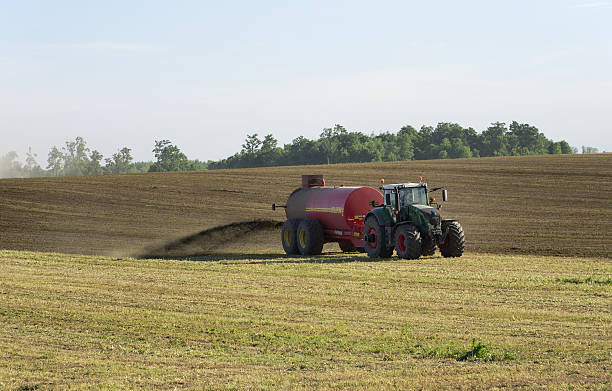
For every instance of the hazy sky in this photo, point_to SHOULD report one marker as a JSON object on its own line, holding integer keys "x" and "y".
{"x": 205, "y": 73}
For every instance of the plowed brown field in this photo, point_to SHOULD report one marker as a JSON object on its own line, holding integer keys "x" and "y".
{"x": 552, "y": 205}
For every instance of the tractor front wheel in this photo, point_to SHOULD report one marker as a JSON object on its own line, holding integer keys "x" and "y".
{"x": 408, "y": 242}
{"x": 428, "y": 248}
{"x": 454, "y": 244}
{"x": 375, "y": 241}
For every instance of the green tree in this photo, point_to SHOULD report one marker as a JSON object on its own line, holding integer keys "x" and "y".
{"x": 141, "y": 167}
{"x": 269, "y": 154}
{"x": 554, "y": 148}
{"x": 424, "y": 148}
{"x": 405, "y": 145}
{"x": 75, "y": 157}
{"x": 32, "y": 168}
{"x": 169, "y": 158}
{"x": 494, "y": 140}
{"x": 527, "y": 140}
{"x": 251, "y": 144}
{"x": 120, "y": 163}
{"x": 93, "y": 166}
{"x": 444, "y": 148}
{"x": 588, "y": 150}
{"x": 460, "y": 149}
{"x": 330, "y": 141}
{"x": 301, "y": 151}
{"x": 565, "y": 147}
{"x": 55, "y": 162}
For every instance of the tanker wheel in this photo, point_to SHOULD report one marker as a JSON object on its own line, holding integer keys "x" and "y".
{"x": 408, "y": 242}
{"x": 375, "y": 239}
{"x": 310, "y": 237}
{"x": 347, "y": 246}
{"x": 454, "y": 244}
{"x": 289, "y": 236}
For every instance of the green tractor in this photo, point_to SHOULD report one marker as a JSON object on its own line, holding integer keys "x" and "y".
{"x": 409, "y": 222}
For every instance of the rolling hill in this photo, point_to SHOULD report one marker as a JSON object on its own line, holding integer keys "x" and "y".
{"x": 547, "y": 205}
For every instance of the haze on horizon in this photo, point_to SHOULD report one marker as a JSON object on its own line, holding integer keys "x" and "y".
{"x": 205, "y": 74}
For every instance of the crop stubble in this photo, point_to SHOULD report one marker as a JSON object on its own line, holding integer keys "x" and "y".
{"x": 330, "y": 322}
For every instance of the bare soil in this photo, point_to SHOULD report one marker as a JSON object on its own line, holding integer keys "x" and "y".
{"x": 547, "y": 205}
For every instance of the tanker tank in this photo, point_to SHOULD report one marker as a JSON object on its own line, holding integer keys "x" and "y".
{"x": 318, "y": 214}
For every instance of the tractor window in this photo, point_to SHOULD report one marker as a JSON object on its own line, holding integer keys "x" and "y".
{"x": 413, "y": 195}
{"x": 390, "y": 199}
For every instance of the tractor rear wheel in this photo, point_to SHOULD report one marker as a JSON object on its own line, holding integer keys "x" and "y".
{"x": 310, "y": 237}
{"x": 408, "y": 242}
{"x": 347, "y": 246}
{"x": 454, "y": 244}
{"x": 289, "y": 236}
{"x": 375, "y": 241}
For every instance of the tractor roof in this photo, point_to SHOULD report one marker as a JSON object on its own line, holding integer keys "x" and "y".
{"x": 402, "y": 185}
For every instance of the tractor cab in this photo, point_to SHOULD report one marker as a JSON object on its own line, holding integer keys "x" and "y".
{"x": 399, "y": 196}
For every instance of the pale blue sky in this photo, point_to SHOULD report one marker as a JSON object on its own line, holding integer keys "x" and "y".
{"x": 204, "y": 74}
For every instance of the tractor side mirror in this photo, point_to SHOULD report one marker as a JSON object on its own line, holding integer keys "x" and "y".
{"x": 444, "y": 195}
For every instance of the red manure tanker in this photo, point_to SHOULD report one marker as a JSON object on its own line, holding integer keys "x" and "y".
{"x": 317, "y": 214}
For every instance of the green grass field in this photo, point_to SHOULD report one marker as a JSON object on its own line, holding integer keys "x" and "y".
{"x": 331, "y": 322}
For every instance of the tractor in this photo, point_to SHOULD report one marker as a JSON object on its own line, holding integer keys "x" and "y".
{"x": 409, "y": 221}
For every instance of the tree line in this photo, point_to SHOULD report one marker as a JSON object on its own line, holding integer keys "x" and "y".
{"x": 334, "y": 145}
{"x": 75, "y": 158}
{"x": 445, "y": 141}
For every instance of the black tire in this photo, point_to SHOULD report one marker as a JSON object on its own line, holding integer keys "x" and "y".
{"x": 454, "y": 244}
{"x": 376, "y": 248}
{"x": 310, "y": 237}
{"x": 347, "y": 246}
{"x": 408, "y": 242}
{"x": 289, "y": 236}
{"x": 427, "y": 249}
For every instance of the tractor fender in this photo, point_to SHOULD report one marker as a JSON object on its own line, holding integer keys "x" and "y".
{"x": 403, "y": 223}
{"x": 382, "y": 216}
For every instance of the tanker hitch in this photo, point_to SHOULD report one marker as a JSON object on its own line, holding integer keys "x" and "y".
{"x": 274, "y": 206}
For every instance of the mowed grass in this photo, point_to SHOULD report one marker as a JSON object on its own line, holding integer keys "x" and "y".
{"x": 547, "y": 205}
{"x": 337, "y": 321}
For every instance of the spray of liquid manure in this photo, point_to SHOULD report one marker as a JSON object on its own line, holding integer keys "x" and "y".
{"x": 213, "y": 240}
